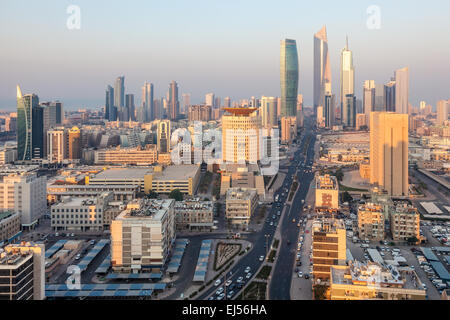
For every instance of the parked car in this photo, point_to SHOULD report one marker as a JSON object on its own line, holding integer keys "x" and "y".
{"x": 247, "y": 270}
{"x": 239, "y": 280}
{"x": 218, "y": 281}
{"x": 300, "y": 274}
{"x": 248, "y": 276}
{"x": 219, "y": 291}
{"x": 261, "y": 258}
{"x": 228, "y": 282}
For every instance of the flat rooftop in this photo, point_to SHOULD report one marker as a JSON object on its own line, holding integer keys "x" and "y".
{"x": 326, "y": 182}
{"x": 123, "y": 174}
{"x": 240, "y": 193}
{"x": 177, "y": 172}
{"x": 146, "y": 209}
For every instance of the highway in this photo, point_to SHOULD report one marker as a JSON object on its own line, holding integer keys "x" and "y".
{"x": 280, "y": 281}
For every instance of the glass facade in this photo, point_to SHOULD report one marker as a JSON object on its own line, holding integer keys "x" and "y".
{"x": 289, "y": 78}
{"x": 25, "y": 106}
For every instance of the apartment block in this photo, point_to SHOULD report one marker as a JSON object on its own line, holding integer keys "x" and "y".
{"x": 241, "y": 203}
{"x": 194, "y": 215}
{"x": 10, "y": 226}
{"x": 327, "y": 193}
{"x": 371, "y": 222}
{"x": 404, "y": 221}
{"x": 136, "y": 156}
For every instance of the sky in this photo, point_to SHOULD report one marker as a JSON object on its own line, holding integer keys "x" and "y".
{"x": 231, "y": 48}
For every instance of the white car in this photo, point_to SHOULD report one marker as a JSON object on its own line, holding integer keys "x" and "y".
{"x": 261, "y": 258}
{"x": 219, "y": 291}
{"x": 221, "y": 296}
{"x": 247, "y": 270}
{"x": 239, "y": 280}
{"x": 218, "y": 281}
{"x": 300, "y": 274}
{"x": 228, "y": 283}
{"x": 248, "y": 275}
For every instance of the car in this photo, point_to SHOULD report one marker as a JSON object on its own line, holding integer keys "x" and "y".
{"x": 239, "y": 280}
{"x": 306, "y": 276}
{"x": 78, "y": 257}
{"x": 219, "y": 291}
{"x": 228, "y": 283}
{"x": 230, "y": 294}
{"x": 211, "y": 298}
{"x": 248, "y": 276}
{"x": 92, "y": 242}
{"x": 57, "y": 234}
{"x": 261, "y": 258}
{"x": 299, "y": 264}
{"x": 275, "y": 224}
{"x": 271, "y": 223}
{"x": 218, "y": 282}
{"x": 221, "y": 296}
{"x": 247, "y": 270}
{"x": 296, "y": 270}
{"x": 300, "y": 274}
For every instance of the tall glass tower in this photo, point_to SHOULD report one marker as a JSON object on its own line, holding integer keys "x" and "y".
{"x": 322, "y": 67}
{"x": 289, "y": 78}
{"x": 25, "y": 106}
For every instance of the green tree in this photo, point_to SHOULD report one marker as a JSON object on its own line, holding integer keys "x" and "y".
{"x": 176, "y": 194}
{"x": 346, "y": 197}
{"x": 152, "y": 195}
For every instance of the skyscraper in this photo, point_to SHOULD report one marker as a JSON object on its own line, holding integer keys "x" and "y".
{"x": 289, "y": 78}
{"x": 389, "y": 152}
{"x": 119, "y": 97}
{"x": 73, "y": 143}
{"x": 129, "y": 107}
{"x": 322, "y": 67}
{"x": 227, "y": 102}
{"x": 26, "y": 107}
{"x": 55, "y": 145}
{"x": 148, "y": 105}
{"x": 389, "y": 96}
{"x": 164, "y": 135}
{"x": 349, "y": 114}
{"x": 402, "y": 90}
{"x": 186, "y": 102}
{"x": 442, "y": 112}
{"x": 268, "y": 112}
{"x": 368, "y": 98}
{"x": 328, "y": 109}
{"x": 380, "y": 99}
{"x": 209, "y": 99}
{"x": 174, "y": 103}
{"x": 38, "y": 136}
{"x": 110, "y": 109}
{"x": 347, "y": 77}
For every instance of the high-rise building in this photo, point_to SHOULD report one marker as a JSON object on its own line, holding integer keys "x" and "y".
{"x": 389, "y": 152}
{"x": 209, "y": 99}
{"x": 389, "y": 96}
{"x": 380, "y": 99}
{"x": 371, "y": 218}
{"x": 300, "y": 116}
{"x": 442, "y": 109}
{"x": 26, "y": 106}
{"x": 55, "y": 145}
{"x": 164, "y": 134}
{"x": 119, "y": 97}
{"x": 349, "y": 111}
{"x": 38, "y": 136}
{"x": 288, "y": 129}
{"x": 327, "y": 193}
{"x": 73, "y": 143}
{"x": 328, "y": 115}
{"x": 268, "y": 112}
{"x": 110, "y": 109}
{"x": 22, "y": 270}
{"x": 129, "y": 107}
{"x": 174, "y": 104}
{"x": 347, "y": 77}
{"x": 199, "y": 113}
{"x": 227, "y": 102}
{"x": 322, "y": 67}
{"x": 289, "y": 73}
{"x": 402, "y": 90}
{"x": 186, "y": 102}
{"x": 368, "y": 98}
{"x": 148, "y": 106}
{"x": 241, "y": 135}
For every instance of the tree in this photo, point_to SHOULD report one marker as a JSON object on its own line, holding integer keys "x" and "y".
{"x": 176, "y": 194}
{"x": 413, "y": 240}
{"x": 346, "y": 197}
{"x": 152, "y": 195}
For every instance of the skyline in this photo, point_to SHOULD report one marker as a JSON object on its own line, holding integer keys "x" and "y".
{"x": 223, "y": 58}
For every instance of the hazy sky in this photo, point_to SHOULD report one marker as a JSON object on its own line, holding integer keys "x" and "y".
{"x": 228, "y": 47}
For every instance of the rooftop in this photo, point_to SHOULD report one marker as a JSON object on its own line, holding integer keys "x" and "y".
{"x": 326, "y": 182}
{"x": 146, "y": 208}
{"x": 240, "y": 193}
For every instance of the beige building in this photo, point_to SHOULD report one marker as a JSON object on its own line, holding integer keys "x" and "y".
{"x": 164, "y": 134}
{"x": 389, "y": 152}
{"x": 241, "y": 129}
{"x": 371, "y": 222}
{"x": 361, "y": 121}
{"x": 241, "y": 176}
{"x": 329, "y": 246}
{"x": 241, "y": 203}
{"x": 327, "y": 192}
{"x": 8, "y": 154}
{"x": 405, "y": 221}
{"x": 142, "y": 236}
{"x": 80, "y": 214}
{"x": 442, "y": 110}
{"x": 22, "y": 272}
{"x": 194, "y": 215}
{"x": 136, "y": 156}
{"x": 288, "y": 129}
{"x": 199, "y": 113}
{"x": 9, "y": 225}
{"x": 372, "y": 281}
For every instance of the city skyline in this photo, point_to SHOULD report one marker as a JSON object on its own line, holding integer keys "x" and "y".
{"x": 78, "y": 55}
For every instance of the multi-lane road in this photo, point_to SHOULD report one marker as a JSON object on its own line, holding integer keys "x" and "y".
{"x": 281, "y": 279}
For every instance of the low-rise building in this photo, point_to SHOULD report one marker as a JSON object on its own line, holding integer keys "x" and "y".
{"x": 136, "y": 156}
{"x": 80, "y": 214}
{"x": 142, "y": 236}
{"x": 122, "y": 192}
{"x": 404, "y": 221}
{"x": 194, "y": 215}
{"x": 372, "y": 281}
{"x": 9, "y": 226}
{"x": 241, "y": 203}
{"x": 371, "y": 222}
{"x": 22, "y": 272}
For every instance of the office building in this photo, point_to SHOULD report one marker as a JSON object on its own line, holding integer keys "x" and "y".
{"x": 389, "y": 152}
{"x": 322, "y": 68}
{"x": 174, "y": 103}
{"x": 288, "y": 129}
{"x": 402, "y": 90}
{"x": 110, "y": 108}
{"x": 22, "y": 270}
{"x": 129, "y": 107}
{"x": 389, "y": 95}
{"x": 185, "y": 103}
{"x": 241, "y": 203}
{"x": 73, "y": 143}
{"x": 194, "y": 215}
{"x": 10, "y": 226}
{"x": 142, "y": 236}
{"x": 347, "y": 78}
{"x": 27, "y": 106}
{"x": 368, "y": 98}
{"x": 80, "y": 214}
{"x": 164, "y": 134}
{"x": 442, "y": 109}
{"x": 300, "y": 116}
{"x": 289, "y": 73}
{"x": 241, "y": 135}
{"x": 268, "y": 112}
{"x": 327, "y": 193}
{"x": 55, "y": 145}
{"x": 349, "y": 112}
{"x": 372, "y": 281}
{"x": 371, "y": 222}
{"x": 119, "y": 98}
{"x": 8, "y": 154}
{"x": 127, "y": 156}
{"x": 329, "y": 247}
{"x": 148, "y": 105}
{"x": 209, "y": 99}
{"x": 327, "y": 115}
